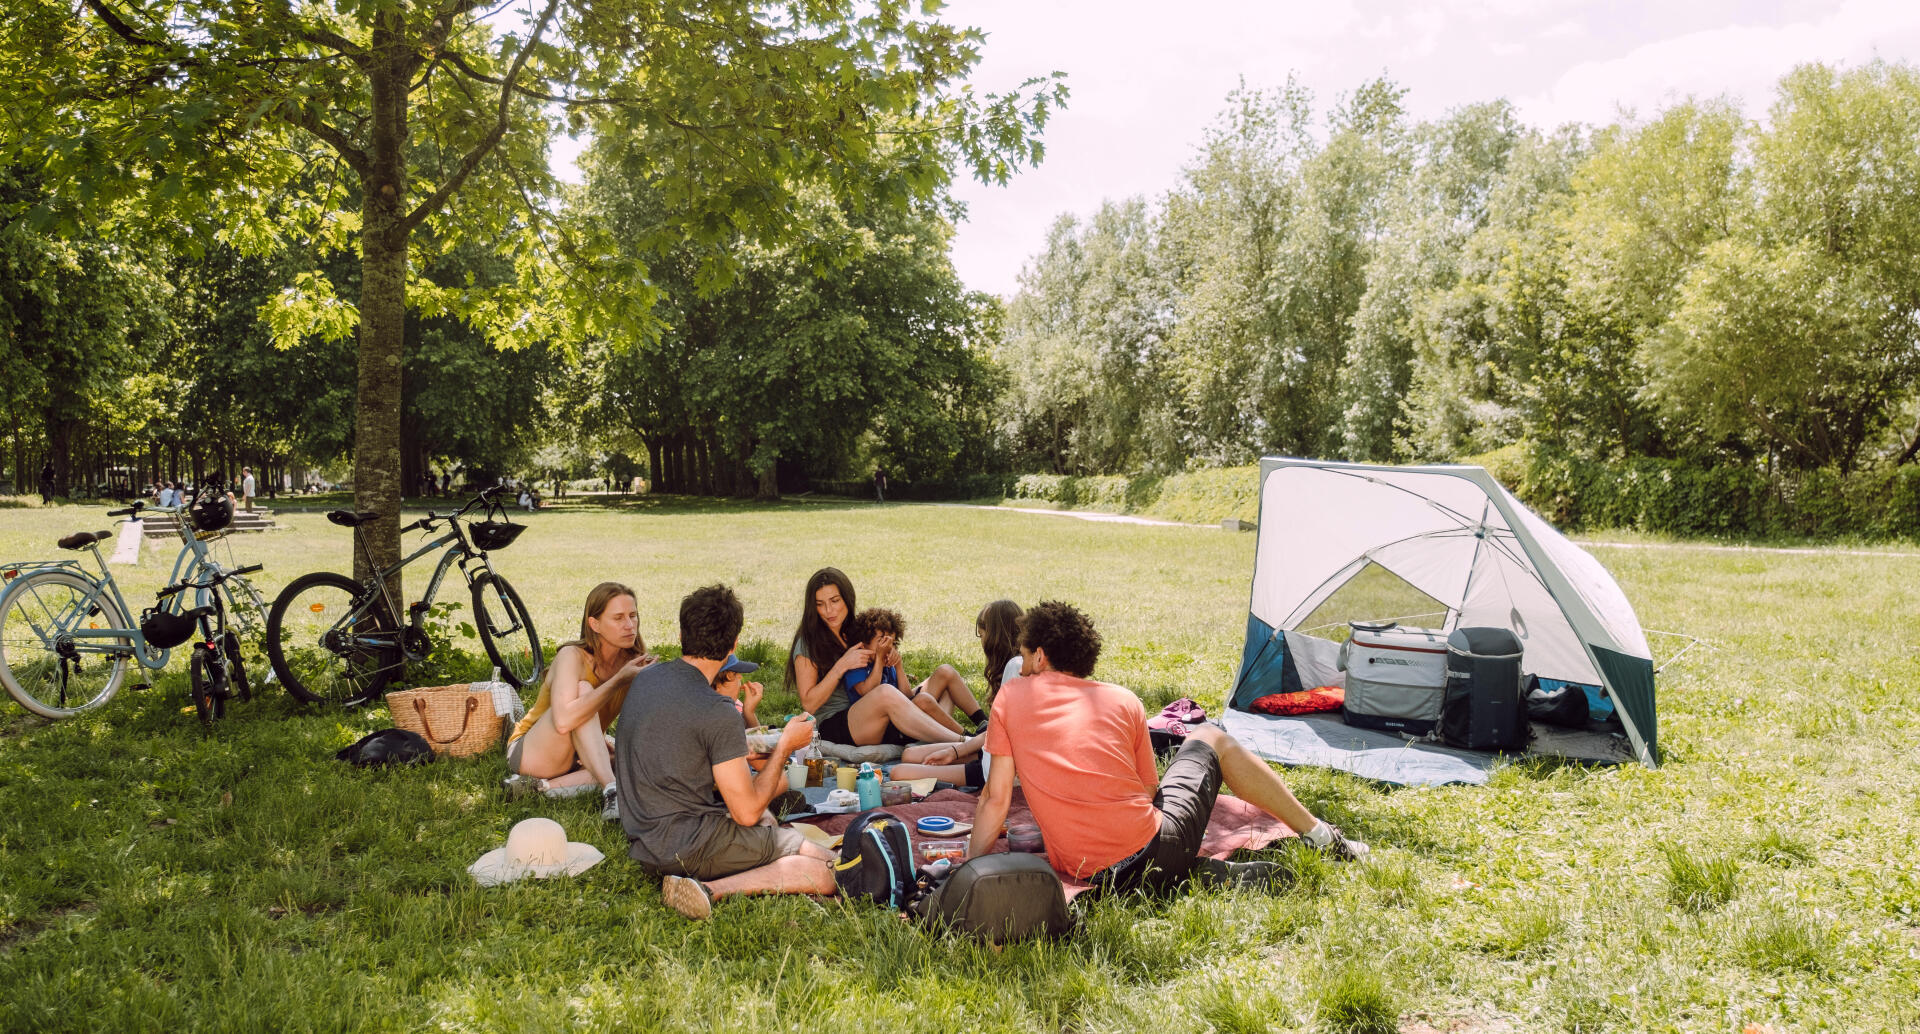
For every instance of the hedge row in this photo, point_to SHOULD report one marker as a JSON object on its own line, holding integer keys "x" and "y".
{"x": 1652, "y": 495}
{"x": 1198, "y": 497}
{"x": 974, "y": 486}
{"x": 1678, "y": 498}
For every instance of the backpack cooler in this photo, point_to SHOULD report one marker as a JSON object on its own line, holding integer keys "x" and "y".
{"x": 1486, "y": 697}
{"x": 1395, "y": 677}
{"x": 1000, "y": 898}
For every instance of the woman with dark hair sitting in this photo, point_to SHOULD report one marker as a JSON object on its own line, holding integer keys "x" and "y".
{"x": 965, "y": 763}
{"x": 820, "y": 658}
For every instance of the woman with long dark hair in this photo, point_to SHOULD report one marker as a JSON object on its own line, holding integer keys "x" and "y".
{"x": 819, "y": 658}
{"x": 560, "y": 747}
{"x": 998, "y": 628}
{"x": 965, "y": 763}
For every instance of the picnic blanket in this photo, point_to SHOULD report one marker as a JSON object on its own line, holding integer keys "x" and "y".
{"x": 1234, "y": 825}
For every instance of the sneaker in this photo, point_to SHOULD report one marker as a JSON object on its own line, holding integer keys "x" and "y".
{"x": 610, "y": 804}
{"x": 1212, "y": 872}
{"x": 1339, "y": 847}
{"x": 517, "y": 786}
{"x": 689, "y": 897}
{"x": 561, "y": 793}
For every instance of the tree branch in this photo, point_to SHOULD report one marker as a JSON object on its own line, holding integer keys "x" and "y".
{"x": 121, "y": 28}
{"x": 333, "y": 137}
{"x": 487, "y": 143}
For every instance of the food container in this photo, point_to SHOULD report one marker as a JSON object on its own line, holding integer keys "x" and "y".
{"x": 934, "y": 850}
{"x": 845, "y": 776}
{"x": 762, "y": 740}
{"x": 893, "y": 794}
{"x": 1025, "y": 837}
{"x": 819, "y": 771}
{"x": 935, "y": 825}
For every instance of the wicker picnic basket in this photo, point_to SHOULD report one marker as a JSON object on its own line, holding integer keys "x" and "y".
{"x": 458, "y": 720}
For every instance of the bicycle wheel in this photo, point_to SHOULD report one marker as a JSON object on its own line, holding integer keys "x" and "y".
{"x": 236, "y": 672}
{"x": 323, "y": 648}
{"x": 506, "y": 629}
{"x": 50, "y": 672}
{"x": 209, "y": 695}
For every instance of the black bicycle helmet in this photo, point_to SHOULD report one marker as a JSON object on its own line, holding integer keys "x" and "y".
{"x": 166, "y": 631}
{"x": 211, "y": 510}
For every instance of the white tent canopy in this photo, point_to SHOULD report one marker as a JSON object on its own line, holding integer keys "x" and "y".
{"x": 1453, "y": 533}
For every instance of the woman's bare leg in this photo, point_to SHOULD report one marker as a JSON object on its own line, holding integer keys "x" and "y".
{"x": 945, "y": 754}
{"x": 546, "y": 754}
{"x": 949, "y": 692}
{"x": 869, "y": 717}
{"x": 955, "y": 774}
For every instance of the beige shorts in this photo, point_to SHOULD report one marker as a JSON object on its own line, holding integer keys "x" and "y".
{"x": 732, "y": 849}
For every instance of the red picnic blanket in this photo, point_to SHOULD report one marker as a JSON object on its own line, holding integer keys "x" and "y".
{"x": 1234, "y": 825}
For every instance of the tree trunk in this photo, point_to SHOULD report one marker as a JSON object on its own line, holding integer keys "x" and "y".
{"x": 769, "y": 488}
{"x": 377, "y": 473}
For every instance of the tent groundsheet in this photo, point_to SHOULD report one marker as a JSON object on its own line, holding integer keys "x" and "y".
{"x": 1326, "y": 741}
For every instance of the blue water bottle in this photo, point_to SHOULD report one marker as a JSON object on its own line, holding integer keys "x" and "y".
{"x": 869, "y": 786}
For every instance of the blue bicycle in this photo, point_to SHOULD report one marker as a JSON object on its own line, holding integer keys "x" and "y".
{"x": 66, "y": 635}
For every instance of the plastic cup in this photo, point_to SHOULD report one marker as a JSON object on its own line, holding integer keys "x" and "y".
{"x": 846, "y": 776}
{"x": 797, "y": 775}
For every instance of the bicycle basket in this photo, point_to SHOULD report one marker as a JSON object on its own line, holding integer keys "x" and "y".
{"x": 165, "y": 631}
{"x": 491, "y": 534}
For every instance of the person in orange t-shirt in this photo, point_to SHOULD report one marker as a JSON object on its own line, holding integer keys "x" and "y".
{"x": 1080, "y": 750}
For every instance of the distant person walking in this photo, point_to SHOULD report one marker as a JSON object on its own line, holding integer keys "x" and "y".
{"x": 46, "y": 482}
{"x": 246, "y": 488}
{"x": 880, "y": 484}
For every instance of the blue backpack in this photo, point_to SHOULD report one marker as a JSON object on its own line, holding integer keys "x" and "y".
{"x": 876, "y": 860}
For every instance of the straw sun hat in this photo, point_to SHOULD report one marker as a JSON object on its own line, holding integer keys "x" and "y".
{"x": 535, "y": 847}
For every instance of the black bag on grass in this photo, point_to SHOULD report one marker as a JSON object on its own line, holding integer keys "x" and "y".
{"x": 1564, "y": 706}
{"x": 1000, "y": 898}
{"x": 876, "y": 860}
{"x": 1485, "y": 706}
{"x": 386, "y": 747}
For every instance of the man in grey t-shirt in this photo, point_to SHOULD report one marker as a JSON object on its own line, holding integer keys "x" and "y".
{"x": 691, "y": 808}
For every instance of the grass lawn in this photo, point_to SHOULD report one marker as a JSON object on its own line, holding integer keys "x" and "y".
{"x": 157, "y": 877}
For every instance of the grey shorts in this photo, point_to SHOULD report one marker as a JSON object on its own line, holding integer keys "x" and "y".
{"x": 730, "y": 848}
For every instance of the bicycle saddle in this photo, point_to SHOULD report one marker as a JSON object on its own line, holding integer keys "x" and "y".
{"x": 350, "y": 519}
{"x": 83, "y": 539}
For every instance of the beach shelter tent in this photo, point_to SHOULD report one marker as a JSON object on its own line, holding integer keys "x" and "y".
{"x": 1453, "y": 533}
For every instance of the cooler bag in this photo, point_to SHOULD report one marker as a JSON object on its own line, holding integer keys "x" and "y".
{"x": 1000, "y": 898}
{"x": 1395, "y": 677}
{"x": 1486, "y": 698}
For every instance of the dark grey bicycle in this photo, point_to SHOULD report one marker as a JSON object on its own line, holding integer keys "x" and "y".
{"x": 335, "y": 640}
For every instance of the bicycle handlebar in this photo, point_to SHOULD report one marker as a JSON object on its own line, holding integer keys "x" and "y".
{"x": 129, "y": 511}
{"x": 212, "y": 580}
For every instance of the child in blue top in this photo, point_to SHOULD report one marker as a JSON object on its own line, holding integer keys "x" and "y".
{"x": 879, "y": 630}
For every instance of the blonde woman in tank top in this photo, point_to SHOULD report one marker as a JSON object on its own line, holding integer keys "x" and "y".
{"x": 560, "y": 747}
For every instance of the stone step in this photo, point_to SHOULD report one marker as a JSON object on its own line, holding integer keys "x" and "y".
{"x": 165, "y": 525}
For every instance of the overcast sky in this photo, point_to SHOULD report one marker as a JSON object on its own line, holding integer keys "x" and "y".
{"x": 1148, "y": 78}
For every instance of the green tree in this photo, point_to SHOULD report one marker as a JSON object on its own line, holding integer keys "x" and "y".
{"x": 438, "y": 112}
{"x": 1085, "y": 350}
{"x": 1801, "y": 335}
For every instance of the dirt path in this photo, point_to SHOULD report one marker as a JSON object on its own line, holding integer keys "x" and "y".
{"x": 1121, "y": 518}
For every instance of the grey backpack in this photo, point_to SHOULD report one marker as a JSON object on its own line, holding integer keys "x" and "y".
{"x": 999, "y": 898}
